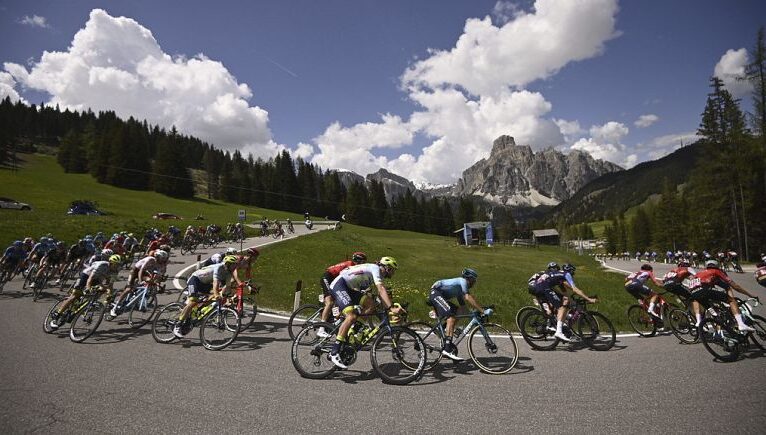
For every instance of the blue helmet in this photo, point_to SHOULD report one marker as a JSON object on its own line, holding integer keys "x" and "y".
{"x": 570, "y": 269}
{"x": 469, "y": 273}
{"x": 18, "y": 243}
{"x": 553, "y": 266}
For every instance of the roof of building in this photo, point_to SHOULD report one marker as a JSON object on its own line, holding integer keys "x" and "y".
{"x": 545, "y": 233}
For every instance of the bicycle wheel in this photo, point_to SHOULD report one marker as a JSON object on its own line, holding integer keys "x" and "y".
{"x": 432, "y": 341}
{"x": 165, "y": 321}
{"x": 142, "y": 310}
{"x": 759, "y": 336}
{"x": 398, "y": 356}
{"x": 641, "y": 321}
{"x": 522, "y": 312}
{"x": 30, "y": 277}
{"x": 249, "y": 311}
{"x": 310, "y": 354}
{"x": 49, "y": 317}
{"x": 219, "y": 328}
{"x": 596, "y": 331}
{"x": 682, "y": 323}
{"x": 534, "y": 329}
{"x": 493, "y": 349}
{"x": 304, "y": 314}
{"x": 41, "y": 283}
{"x": 720, "y": 340}
{"x": 86, "y": 321}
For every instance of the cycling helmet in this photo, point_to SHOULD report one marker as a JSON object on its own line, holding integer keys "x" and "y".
{"x": 553, "y": 266}
{"x": 160, "y": 254}
{"x": 570, "y": 269}
{"x": 646, "y": 267}
{"x": 61, "y": 245}
{"x": 107, "y": 253}
{"x": 253, "y": 252}
{"x": 131, "y": 235}
{"x": 469, "y": 273}
{"x": 18, "y": 243}
{"x": 165, "y": 248}
{"x": 230, "y": 251}
{"x": 29, "y": 240}
{"x": 99, "y": 233}
{"x": 358, "y": 257}
{"x": 115, "y": 259}
{"x": 229, "y": 260}
{"x": 389, "y": 262}
{"x": 711, "y": 264}
{"x": 683, "y": 263}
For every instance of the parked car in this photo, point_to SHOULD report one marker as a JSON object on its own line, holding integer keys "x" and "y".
{"x": 81, "y": 207}
{"x": 164, "y": 216}
{"x": 13, "y": 204}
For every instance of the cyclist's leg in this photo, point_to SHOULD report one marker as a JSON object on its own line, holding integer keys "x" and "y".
{"x": 328, "y": 299}
{"x": 346, "y": 301}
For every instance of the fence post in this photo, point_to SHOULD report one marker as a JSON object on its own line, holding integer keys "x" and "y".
{"x": 199, "y": 260}
{"x": 297, "y": 300}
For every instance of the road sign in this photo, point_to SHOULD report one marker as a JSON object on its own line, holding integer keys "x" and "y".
{"x": 242, "y": 215}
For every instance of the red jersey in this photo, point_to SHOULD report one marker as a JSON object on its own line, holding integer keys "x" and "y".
{"x": 709, "y": 278}
{"x": 116, "y": 247}
{"x": 677, "y": 275}
{"x": 335, "y": 270}
{"x": 153, "y": 245}
{"x": 760, "y": 274}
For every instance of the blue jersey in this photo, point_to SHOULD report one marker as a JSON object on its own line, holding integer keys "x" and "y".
{"x": 452, "y": 288}
{"x": 548, "y": 280}
{"x": 14, "y": 253}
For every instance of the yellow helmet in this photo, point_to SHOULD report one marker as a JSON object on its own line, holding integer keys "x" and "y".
{"x": 390, "y": 262}
{"x": 229, "y": 260}
{"x": 115, "y": 259}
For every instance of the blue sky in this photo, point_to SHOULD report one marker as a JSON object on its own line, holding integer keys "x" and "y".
{"x": 369, "y": 84}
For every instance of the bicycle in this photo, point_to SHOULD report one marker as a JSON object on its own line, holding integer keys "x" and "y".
{"x": 590, "y": 327}
{"x": 140, "y": 303}
{"x": 645, "y": 324}
{"x": 310, "y": 354}
{"x": 303, "y": 315}
{"x": 244, "y": 305}
{"x": 720, "y": 336}
{"x": 84, "y": 313}
{"x": 7, "y": 273}
{"x": 482, "y": 336}
{"x": 218, "y": 325}
{"x": 69, "y": 273}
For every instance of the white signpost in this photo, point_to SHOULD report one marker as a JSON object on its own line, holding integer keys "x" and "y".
{"x": 242, "y": 216}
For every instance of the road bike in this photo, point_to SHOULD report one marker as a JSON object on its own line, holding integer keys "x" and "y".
{"x": 302, "y": 316}
{"x": 140, "y": 303}
{"x": 7, "y": 273}
{"x": 644, "y": 323}
{"x": 397, "y": 353}
{"x": 69, "y": 273}
{"x": 244, "y": 304}
{"x": 721, "y": 337}
{"x": 84, "y": 314}
{"x": 491, "y": 347}
{"x": 218, "y": 325}
{"x": 589, "y": 327}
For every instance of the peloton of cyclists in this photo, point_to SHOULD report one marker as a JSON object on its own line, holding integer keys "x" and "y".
{"x": 703, "y": 291}
{"x": 553, "y": 286}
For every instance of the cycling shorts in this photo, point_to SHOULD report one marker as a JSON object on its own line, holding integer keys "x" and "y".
{"x": 443, "y": 307}
{"x": 81, "y": 281}
{"x": 197, "y": 287}
{"x": 345, "y": 297}
{"x": 704, "y": 295}
{"x": 552, "y": 296}
{"x": 12, "y": 262}
{"x": 638, "y": 290}
{"x": 677, "y": 289}
{"x": 325, "y": 283}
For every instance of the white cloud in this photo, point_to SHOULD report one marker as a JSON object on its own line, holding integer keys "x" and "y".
{"x": 570, "y": 129}
{"x": 473, "y": 93}
{"x": 606, "y": 143}
{"x": 729, "y": 68}
{"x": 505, "y": 11}
{"x": 7, "y": 88}
{"x": 663, "y": 145}
{"x": 114, "y": 63}
{"x": 644, "y": 121}
{"x": 35, "y": 21}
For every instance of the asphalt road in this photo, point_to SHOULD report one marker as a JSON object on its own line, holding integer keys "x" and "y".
{"x": 120, "y": 381}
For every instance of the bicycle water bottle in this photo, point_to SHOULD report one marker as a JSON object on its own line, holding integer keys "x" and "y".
{"x": 208, "y": 309}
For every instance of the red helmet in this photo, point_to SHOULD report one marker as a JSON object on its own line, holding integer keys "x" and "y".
{"x": 253, "y": 252}
{"x": 358, "y": 257}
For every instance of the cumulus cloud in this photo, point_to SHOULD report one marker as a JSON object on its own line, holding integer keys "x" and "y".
{"x": 114, "y": 63}
{"x": 730, "y": 68}
{"x": 35, "y": 21}
{"x": 471, "y": 94}
{"x": 644, "y": 121}
{"x": 663, "y": 145}
{"x": 606, "y": 143}
{"x": 7, "y": 88}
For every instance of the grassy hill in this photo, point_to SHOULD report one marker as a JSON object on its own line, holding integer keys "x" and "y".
{"x": 423, "y": 258}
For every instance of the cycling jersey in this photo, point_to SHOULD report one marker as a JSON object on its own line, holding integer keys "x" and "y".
{"x": 54, "y": 256}
{"x": 708, "y": 278}
{"x": 147, "y": 263}
{"x": 640, "y": 277}
{"x": 549, "y": 280}
{"x": 216, "y": 272}
{"x": 360, "y": 277}
{"x": 214, "y": 259}
{"x": 76, "y": 252}
{"x": 14, "y": 253}
{"x": 40, "y": 249}
{"x": 331, "y": 273}
{"x": 452, "y": 288}
{"x": 760, "y": 274}
{"x": 677, "y": 275}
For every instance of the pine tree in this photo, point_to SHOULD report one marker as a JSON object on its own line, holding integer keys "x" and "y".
{"x": 170, "y": 175}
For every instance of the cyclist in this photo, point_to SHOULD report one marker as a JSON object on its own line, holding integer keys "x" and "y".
{"x": 52, "y": 259}
{"x": 201, "y": 282}
{"x": 552, "y": 267}
{"x": 13, "y": 256}
{"x": 760, "y": 271}
{"x": 347, "y": 290}
{"x": 703, "y": 290}
{"x": 100, "y": 272}
{"x": 217, "y": 257}
{"x": 635, "y": 284}
{"x": 130, "y": 244}
{"x": 38, "y": 251}
{"x": 553, "y": 286}
{"x": 673, "y": 280}
{"x": 142, "y": 269}
{"x": 328, "y": 277}
{"x": 246, "y": 260}
{"x": 444, "y": 290}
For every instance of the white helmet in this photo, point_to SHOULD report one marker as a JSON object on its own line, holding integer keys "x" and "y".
{"x": 230, "y": 251}
{"x": 160, "y": 254}
{"x": 107, "y": 252}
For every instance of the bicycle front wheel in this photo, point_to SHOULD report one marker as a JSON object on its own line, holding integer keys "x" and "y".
{"x": 303, "y": 315}
{"x": 219, "y": 328}
{"x": 759, "y": 336}
{"x": 310, "y": 354}
{"x": 142, "y": 311}
{"x": 682, "y": 323}
{"x": 165, "y": 321}
{"x": 432, "y": 341}
{"x": 720, "y": 340}
{"x": 398, "y": 356}
{"x": 249, "y": 311}
{"x": 493, "y": 349}
{"x": 86, "y": 321}
{"x": 49, "y": 317}
{"x": 534, "y": 329}
{"x": 641, "y": 321}
{"x": 596, "y": 330}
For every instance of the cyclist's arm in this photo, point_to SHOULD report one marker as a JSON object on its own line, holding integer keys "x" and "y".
{"x": 578, "y": 291}
{"x": 472, "y": 301}
{"x": 741, "y": 289}
{"x": 385, "y": 298}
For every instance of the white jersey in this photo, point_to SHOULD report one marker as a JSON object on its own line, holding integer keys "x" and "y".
{"x": 360, "y": 277}
{"x": 218, "y": 272}
{"x": 100, "y": 270}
